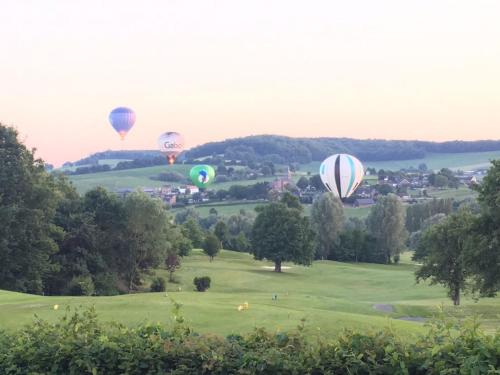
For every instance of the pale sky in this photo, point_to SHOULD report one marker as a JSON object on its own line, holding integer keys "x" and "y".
{"x": 215, "y": 69}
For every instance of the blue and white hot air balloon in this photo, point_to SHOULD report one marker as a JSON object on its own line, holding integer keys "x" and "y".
{"x": 341, "y": 174}
{"x": 122, "y": 119}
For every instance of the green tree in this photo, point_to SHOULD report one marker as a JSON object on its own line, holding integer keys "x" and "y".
{"x": 211, "y": 246}
{"x": 484, "y": 257}
{"x": 386, "y": 223}
{"x": 422, "y": 167}
{"x": 192, "y": 230}
{"x": 222, "y": 233}
{"x": 315, "y": 181}
{"x": 78, "y": 257}
{"x": 327, "y": 218}
{"x": 146, "y": 234}
{"x": 109, "y": 219}
{"x": 28, "y": 200}
{"x": 303, "y": 183}
{"x": 441, "y": 181}
{"x": 187, "y": 214}
{"x": 176, "y": 247}
{"x": 291, "y": 201}
{"x": 282, "y": 234}
{"x": 172, "y": 263}
{"x": 447, "y": 245}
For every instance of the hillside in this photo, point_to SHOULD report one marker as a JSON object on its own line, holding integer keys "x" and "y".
{"x": 330, "y": 295}
{"x": 283, "y": 150}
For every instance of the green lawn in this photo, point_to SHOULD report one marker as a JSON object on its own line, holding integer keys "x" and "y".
{"x": 330, "y": 295}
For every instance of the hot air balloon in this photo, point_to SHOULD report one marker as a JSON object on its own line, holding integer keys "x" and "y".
{"x": 122, "y": 119}
{"x": 341, "y": 174}
{"x": 202, "y": 175}
{"x": 171, "y": 144}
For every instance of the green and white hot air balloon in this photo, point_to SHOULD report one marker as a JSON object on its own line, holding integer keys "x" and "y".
{"x": 202, "y": 175}
{"x": 341, "y": 174}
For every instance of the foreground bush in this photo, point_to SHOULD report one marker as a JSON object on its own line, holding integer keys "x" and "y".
{"x": 80, "y": 344}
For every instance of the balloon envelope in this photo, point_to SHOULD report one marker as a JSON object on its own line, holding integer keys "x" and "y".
{"x": 170, "y": 145}
{"x": 202, "y": 175}
{"x": 122, "y": 119}
{"x": 341, "y": 174}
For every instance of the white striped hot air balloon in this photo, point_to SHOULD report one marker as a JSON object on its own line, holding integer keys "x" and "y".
{"x": 341, "y": 174}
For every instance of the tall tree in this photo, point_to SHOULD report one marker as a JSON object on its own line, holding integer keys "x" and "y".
{"x": 282, "y": 234}
{"x": 327, "y": 218}
{"x": 386, "y": 223}
{"x": 303, "y": 183}
{"x": 192, "y": 230}
{"x": 447, "y": 245}
{"x": 28, "y": 200}
{"x": 211, "y": 246}
{"x": 484, "y": 258}
{"x": 222, "y": 233}
{"x": 110, "y": 220}
{"x": 147, "y": 232}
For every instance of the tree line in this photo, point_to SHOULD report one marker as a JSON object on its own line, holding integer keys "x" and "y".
{"x": 283, "y": 150}
{"x": 54, "y": 241}
{"x": 286, "y": 150}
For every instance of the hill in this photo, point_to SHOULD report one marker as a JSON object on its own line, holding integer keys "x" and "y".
{"x": 280, "y": 149}
{"x": 330, "y": 295}
{"x": 284, "y": 150}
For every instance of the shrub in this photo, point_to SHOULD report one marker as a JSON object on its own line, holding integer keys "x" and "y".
{"x": 202, "y": 283}
{"x": 81, "y": 286}
{"x": 106, "y": 284}
{"x": 158, "y": 284}
{"x": 80, "y": 344}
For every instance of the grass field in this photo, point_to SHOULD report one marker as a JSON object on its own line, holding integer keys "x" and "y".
{"x": 129, "y": 178}
{"x": 330, "y": 295}
{"x": 434, "y": 161}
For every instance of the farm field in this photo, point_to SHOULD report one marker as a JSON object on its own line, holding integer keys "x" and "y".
{"x": 331, "y": 296}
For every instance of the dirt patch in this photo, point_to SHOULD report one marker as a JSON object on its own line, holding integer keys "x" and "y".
{"x": 384, "y": 307}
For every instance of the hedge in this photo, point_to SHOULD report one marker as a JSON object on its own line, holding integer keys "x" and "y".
{"x": 80, "y": 344}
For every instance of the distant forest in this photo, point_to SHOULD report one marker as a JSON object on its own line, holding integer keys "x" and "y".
{"x": 283, "y": 150}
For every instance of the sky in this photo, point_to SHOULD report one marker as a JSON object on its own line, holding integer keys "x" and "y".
{"x": 217, "y": 69}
